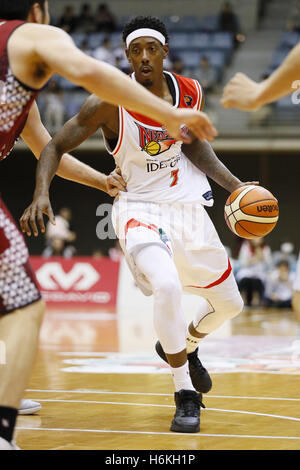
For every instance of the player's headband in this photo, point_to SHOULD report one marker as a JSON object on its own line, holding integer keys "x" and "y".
{"x": 145, "y": 32}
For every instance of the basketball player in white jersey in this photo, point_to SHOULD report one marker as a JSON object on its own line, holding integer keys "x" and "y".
{"x": 247, "y": 95}
{"x": 168, "y": 240}
{"x": 31, "y": 51}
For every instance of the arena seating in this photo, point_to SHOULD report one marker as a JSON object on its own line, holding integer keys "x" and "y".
{"x": 191, "y": 38}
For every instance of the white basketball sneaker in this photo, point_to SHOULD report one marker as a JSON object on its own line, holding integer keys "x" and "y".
{"x": 29, "y": 407}
{"x": 5, "y": 445}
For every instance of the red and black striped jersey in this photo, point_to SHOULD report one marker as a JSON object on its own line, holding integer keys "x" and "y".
{"x": 15, "y": 97}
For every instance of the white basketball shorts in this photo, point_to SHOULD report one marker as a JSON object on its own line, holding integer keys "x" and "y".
{"x": 184, "y": 230}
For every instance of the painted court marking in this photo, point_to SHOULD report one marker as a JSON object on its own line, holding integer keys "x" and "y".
{"x": 290, "y": 418}
{"x": 108, "y": 431}
{"x": 107, "y": 392}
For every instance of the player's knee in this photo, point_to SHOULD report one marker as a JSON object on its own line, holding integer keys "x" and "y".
{"x": 168, "y": 290}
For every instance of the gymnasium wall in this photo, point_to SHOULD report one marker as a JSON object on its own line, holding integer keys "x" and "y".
{"x": 277, "y": 171}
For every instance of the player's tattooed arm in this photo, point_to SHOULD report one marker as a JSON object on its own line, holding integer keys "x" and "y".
{"x": 90, "y": 118}
{"x": 202, "y": 155}
{"x": 54, "y": 160}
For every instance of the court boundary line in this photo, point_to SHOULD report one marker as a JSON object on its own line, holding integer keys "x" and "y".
{"x": 174, "y": 434}
{"x": 268, "y": 415}
{"x": 104, "y": 392}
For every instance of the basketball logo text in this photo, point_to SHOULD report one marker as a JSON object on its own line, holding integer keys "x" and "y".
{"x": 154, "y": 166}
{"x": 154, "y": 142}
{"x": 268, "y": 208}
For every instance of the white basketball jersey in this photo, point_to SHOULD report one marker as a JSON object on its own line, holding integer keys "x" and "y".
{"x": 151, "y": 161}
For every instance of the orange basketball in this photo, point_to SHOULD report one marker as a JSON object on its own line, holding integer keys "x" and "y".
{"x": 251, "y": 211}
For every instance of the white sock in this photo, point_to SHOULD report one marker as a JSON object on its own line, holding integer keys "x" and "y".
{"x": 181, "y": 377}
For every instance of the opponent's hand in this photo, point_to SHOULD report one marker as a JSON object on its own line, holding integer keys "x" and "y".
{"x": 39, "y": 206}
{"x": 196, "y": 121}
{"x": 241, "y": 93}
{"x": 115, "y": 182}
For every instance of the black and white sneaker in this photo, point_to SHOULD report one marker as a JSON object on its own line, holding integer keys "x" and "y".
{"x": 199, "y": 376}
{"x": 188, "y": 408}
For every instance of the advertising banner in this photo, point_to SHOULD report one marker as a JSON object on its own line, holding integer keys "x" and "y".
{"x": 78, "y": 281}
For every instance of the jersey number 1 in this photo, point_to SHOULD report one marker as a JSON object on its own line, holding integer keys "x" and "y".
{"x": 174, "y": 175}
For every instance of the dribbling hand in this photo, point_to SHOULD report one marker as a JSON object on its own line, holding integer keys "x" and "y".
{"x": 39, "y": 206}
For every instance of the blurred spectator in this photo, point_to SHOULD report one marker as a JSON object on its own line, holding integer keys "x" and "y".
{"x": 121, "y": 65}
{"x": 228, "y": 21}
{"x": 292, "y": 27}
{"x": 86, "y": 20}
{"x": 68, "y": 20}
{"x": 98, "y": 254}
{"x": 279, "y": 286}
{"x": 120, "y": 59}
{"x": 85, "y": 47}
{"x": 105, "y": 52}
{"x": 254, "y": 259}
{"x": 286, "y": 253}
{"x": 206, "y": 75}
{"x": 104, "y": 20}
{"x": 56, "y": 247}
{"x": 60, "y": 237}
{"x": 293, "y": 21}
{"x": 178, "y": 67}
{"x": 115, "y": 253}
{"x": 262, "y": 9}
{"x": 54, "y": 109}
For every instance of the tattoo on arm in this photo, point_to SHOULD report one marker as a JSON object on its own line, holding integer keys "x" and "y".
{"x": 203, "y": 157}
{"x": 73, "y": 133}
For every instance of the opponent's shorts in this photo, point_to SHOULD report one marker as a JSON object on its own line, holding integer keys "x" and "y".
{"x": 18, "y": 286}
{"x": 297, "y": 278}
{"x": 185, "y": 231}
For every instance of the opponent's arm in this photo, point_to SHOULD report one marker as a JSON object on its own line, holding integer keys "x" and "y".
{"x": 203, "y": 157}
{"x": 245, "y": 94}
{"x": 57, "y": 53}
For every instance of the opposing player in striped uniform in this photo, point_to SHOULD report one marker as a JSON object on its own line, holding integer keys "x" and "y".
{"x": 168, "y": 240}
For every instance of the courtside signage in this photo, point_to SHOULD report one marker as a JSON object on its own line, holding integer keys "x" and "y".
{"x": 77, "y": 281}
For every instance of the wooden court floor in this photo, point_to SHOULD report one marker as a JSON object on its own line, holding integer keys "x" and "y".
{"x": 101, "y": 386}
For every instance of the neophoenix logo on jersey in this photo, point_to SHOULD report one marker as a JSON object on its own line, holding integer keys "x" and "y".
{"x": 188, "y": 100}
{"x": 154, "y": 141}
{"x": 268, "y": 208}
